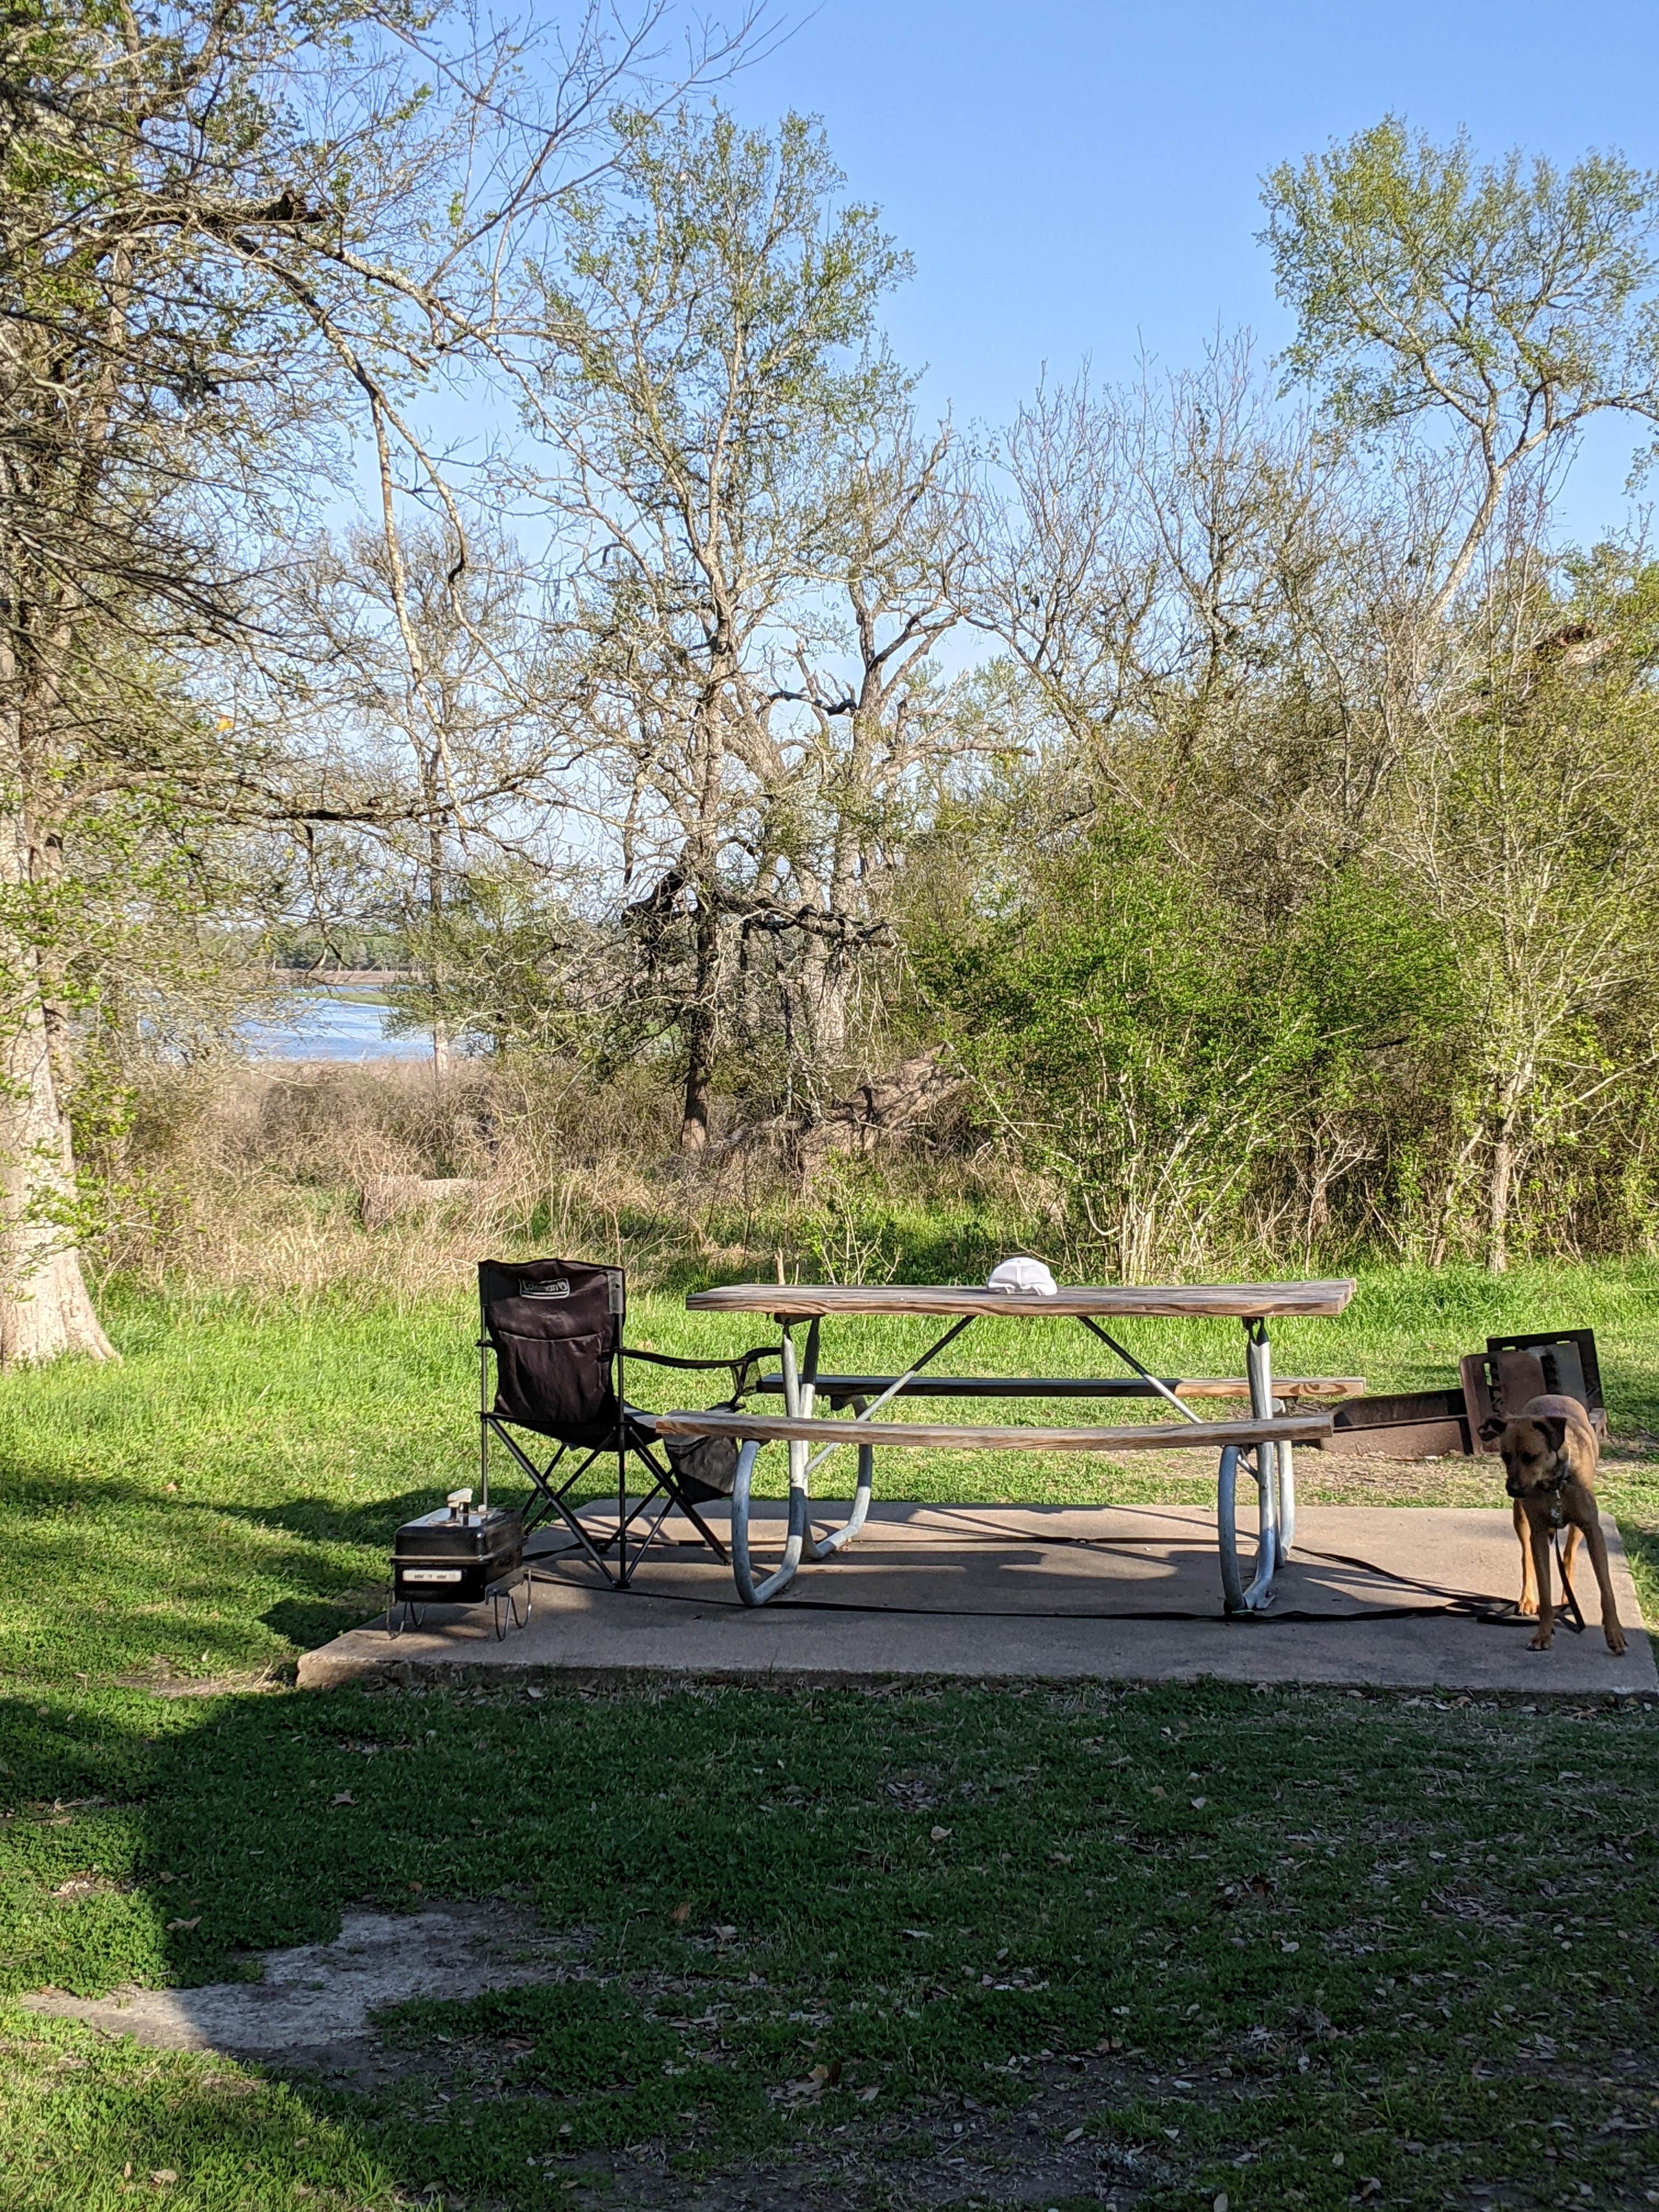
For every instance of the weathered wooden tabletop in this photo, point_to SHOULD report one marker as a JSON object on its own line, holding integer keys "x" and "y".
{"x": 1236, "y": 1301}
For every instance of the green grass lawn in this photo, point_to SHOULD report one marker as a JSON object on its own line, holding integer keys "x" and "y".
{"x": 1307, "y": 1949}
{"x": 1301, "y": 1948}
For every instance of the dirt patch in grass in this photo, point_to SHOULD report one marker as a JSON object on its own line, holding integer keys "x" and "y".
{"x": 313, "y": 2005}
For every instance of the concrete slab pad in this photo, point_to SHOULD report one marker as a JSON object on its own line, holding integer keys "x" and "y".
{"x": 1375, "y": 1597}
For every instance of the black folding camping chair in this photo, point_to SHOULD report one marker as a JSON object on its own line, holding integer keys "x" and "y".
{"x": 554, "y": 1329}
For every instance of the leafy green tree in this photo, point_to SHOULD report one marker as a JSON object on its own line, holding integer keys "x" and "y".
{"x": 1510, "y": 301}
{"x": 508, "y": 965}
{"x": 229, "y": 236}
{"x": 1162, "y": 1065}
{"x": 1529, "y": 821}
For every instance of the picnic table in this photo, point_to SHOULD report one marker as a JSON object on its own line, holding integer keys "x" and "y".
{"x": 1265, "y": 1442}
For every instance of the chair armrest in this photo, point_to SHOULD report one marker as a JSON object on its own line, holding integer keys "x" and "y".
{"x": 739, "y": 1367}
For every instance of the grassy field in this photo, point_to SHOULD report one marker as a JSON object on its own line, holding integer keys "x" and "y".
{"x": 942, "y": 1947}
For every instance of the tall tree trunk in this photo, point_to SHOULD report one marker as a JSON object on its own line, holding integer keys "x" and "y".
{"x": 703, "y": 1015}
{"x": 1504, "y": 1151}
{"x": 828, "y": 981}
{"x": 434, "y": 904}
{"x": 45, "y": 1306}
{"x": 700, "y": 1025}
{"x": 1503, "y": 1185}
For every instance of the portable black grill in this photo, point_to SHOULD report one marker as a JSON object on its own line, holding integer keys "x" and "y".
{"x": 461, "y": 1555}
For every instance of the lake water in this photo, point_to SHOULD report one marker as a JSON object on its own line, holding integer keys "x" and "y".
{"x": 334, "y": 1025}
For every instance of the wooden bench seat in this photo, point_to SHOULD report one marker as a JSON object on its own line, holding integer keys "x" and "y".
{"x": 1162, "y": 1435}
{"x": 837, "y": 1387}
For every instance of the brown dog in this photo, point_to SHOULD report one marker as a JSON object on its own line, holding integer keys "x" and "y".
{"x": 1550, "y": 1451}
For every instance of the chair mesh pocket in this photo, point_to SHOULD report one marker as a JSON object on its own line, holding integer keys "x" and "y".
{"x": 705, "y": 1468}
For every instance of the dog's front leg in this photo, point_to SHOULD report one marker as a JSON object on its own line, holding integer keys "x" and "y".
{"x": 1597, "y": 1545}
{"x": 1540, "y": 1567}
{"x": 1528, "y": 1604}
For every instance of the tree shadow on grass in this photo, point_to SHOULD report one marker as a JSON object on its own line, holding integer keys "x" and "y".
{"x": 115, "y": 1582}
{"x": 641, "y": 1831}
{"x": 164, "y": 1843}
{"x": 307, "y": 1623}
{"x": 771, "y": 1901}
{"x": 371, "y": 1524}
{"x": 84, "y": 2117}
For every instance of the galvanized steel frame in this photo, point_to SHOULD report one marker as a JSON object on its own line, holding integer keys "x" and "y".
{"x": 1272, "y": 1465}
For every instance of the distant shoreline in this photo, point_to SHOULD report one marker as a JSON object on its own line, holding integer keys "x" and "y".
{"x": 322, "y": 978}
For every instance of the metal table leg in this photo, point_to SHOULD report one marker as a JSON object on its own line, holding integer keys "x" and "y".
{"x": 1258, "y": 1367}
{"x": 751, "y": 1591}
{"x": 825, "y": 1547}
{"x": 1226, "y": 1526}
{"x": 1236, "y": 1595}
{"x": 1283, "y": 1456}
{"x": 797, "y": 1403}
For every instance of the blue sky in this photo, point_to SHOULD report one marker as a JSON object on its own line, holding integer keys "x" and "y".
{"x": 1077, "y": 180}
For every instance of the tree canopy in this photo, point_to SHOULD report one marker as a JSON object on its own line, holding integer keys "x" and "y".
{"x": 1513, "y": 300}
{"x": 457, "y": 495}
